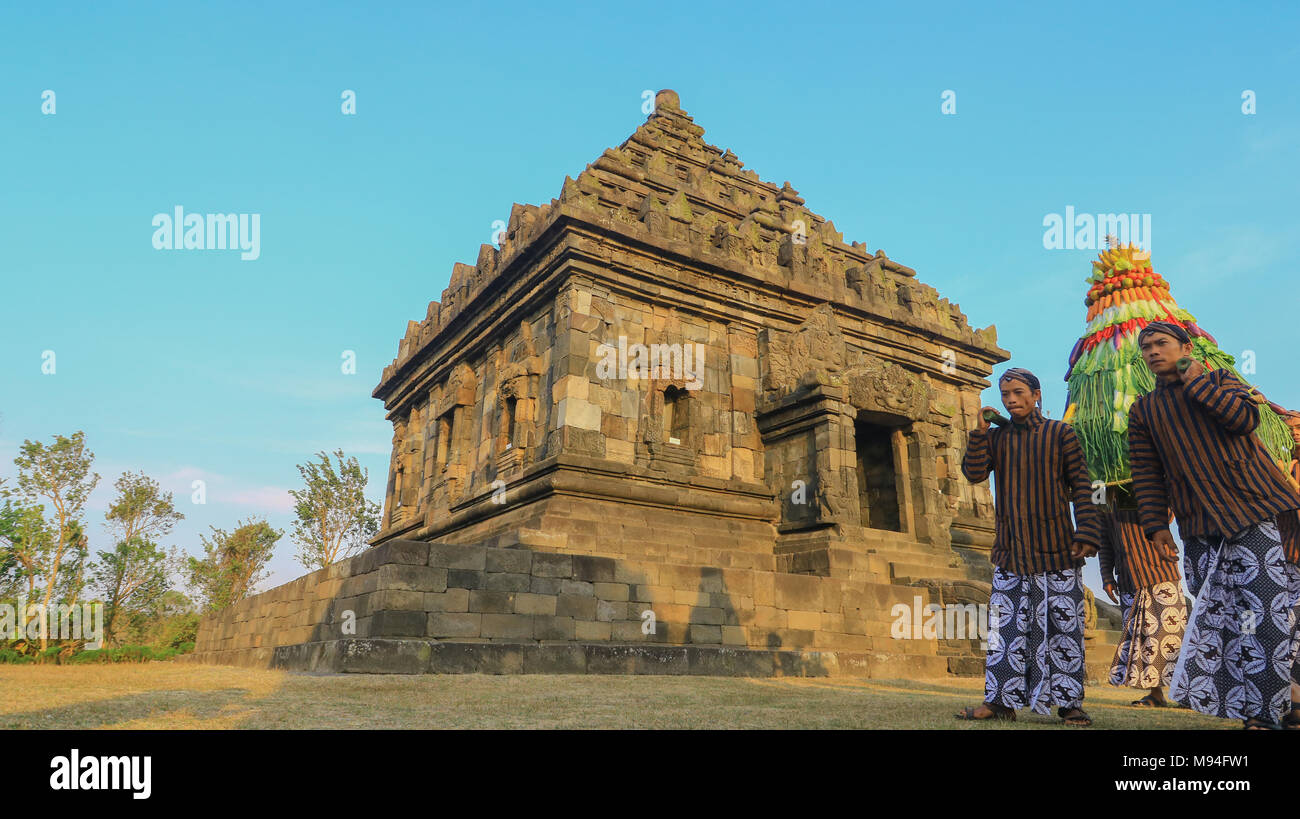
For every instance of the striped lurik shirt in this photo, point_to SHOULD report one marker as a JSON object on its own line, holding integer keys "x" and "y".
{"x": 1288, "y": 526}
{"x": 1192, "y": 450}
{"x": 1127, "y": 557}
{"x": 1040, "y": 469}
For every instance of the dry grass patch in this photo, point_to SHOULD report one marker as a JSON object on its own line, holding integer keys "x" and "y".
{"x": 168, "y": 695}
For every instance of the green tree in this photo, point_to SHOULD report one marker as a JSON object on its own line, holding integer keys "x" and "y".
{"x": 26, "y": 541}
{"x": 172, "y": 622}
{"x": 141, "y": 509}
{"x": 131, "y": 578}
{"x": 76, "y": 565}
{"x": 334, "y": 519}
{"x": 233, "y": 563}
{"x": 59, "y": 473}
{"x": 137, "y": 571}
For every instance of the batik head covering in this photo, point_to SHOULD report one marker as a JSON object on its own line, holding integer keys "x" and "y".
{"x": 1166, "y": 328}
{"x": 1021, "y": 374}
{"x": 1024, "y": 376}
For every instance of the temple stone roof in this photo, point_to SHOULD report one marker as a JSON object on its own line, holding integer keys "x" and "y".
{"x": 664, "y": 180}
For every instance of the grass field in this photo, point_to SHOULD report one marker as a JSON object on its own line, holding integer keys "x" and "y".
{"x": 168, "y": 695}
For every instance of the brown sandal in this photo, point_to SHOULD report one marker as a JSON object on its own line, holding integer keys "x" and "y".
{"x": 1000, "y": 712}
{"x": 1074, "y": 716}
{"x": 1259, "y": 724}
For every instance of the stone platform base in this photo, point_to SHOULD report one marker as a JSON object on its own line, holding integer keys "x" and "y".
{"x": 398, "y": 656}
{"x": 419, "y": 607}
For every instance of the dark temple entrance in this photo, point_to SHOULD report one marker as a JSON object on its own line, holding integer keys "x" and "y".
{"x": 877, "y": 478}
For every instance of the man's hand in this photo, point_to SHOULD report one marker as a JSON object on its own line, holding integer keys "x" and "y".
{"x": 1109, "y": 588}
{"x": 1164, "y": 543}
{"x": 1193, "y": 370}
{"x": 1080, "y": 550}
{"x": 984, "y": 422}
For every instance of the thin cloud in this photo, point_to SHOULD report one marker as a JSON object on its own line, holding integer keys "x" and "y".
{"x": 263, "y": 498}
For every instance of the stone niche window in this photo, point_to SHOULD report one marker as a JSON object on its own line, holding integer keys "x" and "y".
{"x": 446, "y": 427}
{"x": 877, "y": 477}
{"x": 506, "y": 438}
{"x": 677, "y": 415}
{"x": 399, "y": 481}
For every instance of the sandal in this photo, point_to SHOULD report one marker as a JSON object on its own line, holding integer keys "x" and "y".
{"x": 1000, "y": 712}
{"x": 1074, "y": 716}
{"x": 1150, "y": 702}
{"x": 1259, "y": 724}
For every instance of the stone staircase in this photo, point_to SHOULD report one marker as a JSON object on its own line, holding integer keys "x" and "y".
{"x": 1099, "y": 643}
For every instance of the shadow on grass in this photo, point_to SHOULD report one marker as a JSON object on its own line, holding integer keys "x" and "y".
{"x": 187, "y": 705}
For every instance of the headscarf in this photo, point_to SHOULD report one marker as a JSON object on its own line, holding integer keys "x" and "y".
{"x": 1021, "y": 374}
{"x": 1167, "y": 328}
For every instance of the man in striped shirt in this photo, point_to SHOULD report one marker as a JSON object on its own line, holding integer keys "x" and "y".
{"x": 1192, "y": 450}
{"x": 1036, "y": 610}
{"x": 1135, "y": 574}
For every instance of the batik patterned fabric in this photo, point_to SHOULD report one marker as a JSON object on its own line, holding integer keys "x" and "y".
{"x": 1035, "y": 657}
{"x": 1154, "y": 620}
{"x": 1241, "y": 644}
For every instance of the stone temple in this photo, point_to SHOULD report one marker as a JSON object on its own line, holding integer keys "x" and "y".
{"x": 672, "y": 424}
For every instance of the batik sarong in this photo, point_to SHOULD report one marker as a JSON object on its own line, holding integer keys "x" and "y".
{"x": 1035, "y": 656}
{"x": 1154, "y": 620}
{"x": 1241, "y": 642}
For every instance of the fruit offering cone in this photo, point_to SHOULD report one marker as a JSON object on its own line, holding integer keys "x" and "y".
{"x": 1107, "y": 373}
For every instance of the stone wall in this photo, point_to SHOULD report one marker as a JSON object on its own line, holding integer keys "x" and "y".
{"x": 432, "y": 607}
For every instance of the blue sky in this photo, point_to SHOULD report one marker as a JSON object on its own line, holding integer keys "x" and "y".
{"x": 198, "y": 365}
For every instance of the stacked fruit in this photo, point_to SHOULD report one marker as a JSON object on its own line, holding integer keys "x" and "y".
{"x": 1126, "y": 295}
{"x": 1119, "y": 280}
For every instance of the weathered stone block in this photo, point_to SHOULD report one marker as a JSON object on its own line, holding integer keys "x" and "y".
{"x": 592, "y": 568}
{"x": 578, "y": 587}
{"x": 734, "y": 636}
{"x": 481, "y": 600}
{"x": 611, "y": 591}
{"x": 811, "y": 620}
{"x": 553, "y": 628}
{"x": 608, "y": 610}
{"x": 465, "y": 578}
{"x": 526, "y": 603}
{"x": 706, "y": 616}
{"x": 507, "y": 626}
{"x": 729, "y": 662}
{"x": 411, "y": 577}
{"x": 398, "y": 624}
{"x": 354, "y": 586}
{"x": 705, "y": 634}
{"x": 793, "y": 591}
{"x": 555, "y": 659}
{"x": 612, "y": 659}
{"x": 513, "y": 561}
{"x": 591, "y": 630}
{"x": 457, "y": 556}
{"x": 546, "y": 564}
{"x": 477, "y": 658}
{"x": 498, "y": 581}
{"x": 384, "y": 656}
{"x": 545, "y": 585}
{"x": 661, "y": 659}
{"x": 396, "y": 600}
{"x": 450, "y": 600}
{"x": 577, "y": 606}
{"x": 454, "y": 624}
{"x": 401, "y": 551}
{"x": 627, "y": 631}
